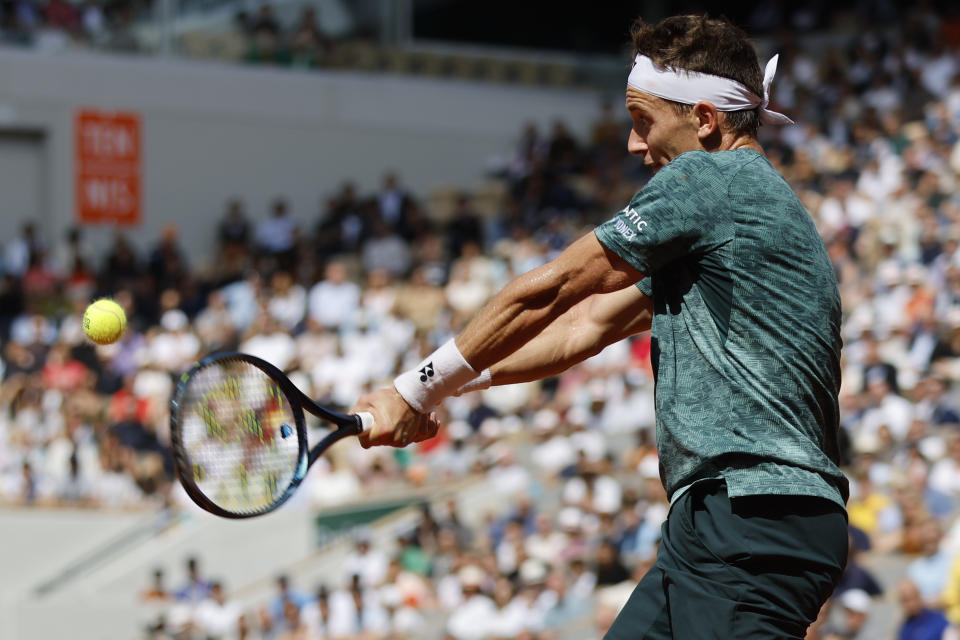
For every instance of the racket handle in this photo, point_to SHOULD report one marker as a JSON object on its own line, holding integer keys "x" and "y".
{"x": 366, "y": 420}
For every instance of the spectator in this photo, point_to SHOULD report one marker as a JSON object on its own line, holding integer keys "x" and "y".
{"x": 855, "y": 606}
{"x": 316, "y": 616}
{"x": 386, "y": 250}
{"x": 308, "y": 45}
{"x": 335, "y": 299}
{"x": 277, "y": 615}
{"x": 167, "y": 263}
{"x": 609, "y": 568}
{"x": 21, "y": 249}
{"x": 233, "y": 232}
{"x": 197, "y": 588}
{"x": 392, "y": 201}
{"x": 288, "y": 301}
{"x": 472, "y": 619}
{"x": 174, "y": 346}
{"x": 919, "y": 621}
{"x": 364, "y": 561}
{"x": 156, "y": 590}
{"x": 277, "y": 235}
{"x": 217, "y": 617}
{"x": 268, "y": 340}
{"x": 929, "y": 572}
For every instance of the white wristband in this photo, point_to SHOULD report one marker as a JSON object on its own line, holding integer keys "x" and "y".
{"x": 438, "y": 376}
{"x": 481, "y": 382}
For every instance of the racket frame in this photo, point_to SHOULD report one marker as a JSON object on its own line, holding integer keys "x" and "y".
{"x": 347, "y": 425}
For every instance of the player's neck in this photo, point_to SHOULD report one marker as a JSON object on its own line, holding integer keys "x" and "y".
{"x": 731, "y": 141}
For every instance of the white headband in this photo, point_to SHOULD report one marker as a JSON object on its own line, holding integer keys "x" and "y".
{"x": 690, "y": 87}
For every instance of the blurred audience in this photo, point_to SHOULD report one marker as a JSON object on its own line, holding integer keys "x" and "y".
{"x": 381, "y": 278}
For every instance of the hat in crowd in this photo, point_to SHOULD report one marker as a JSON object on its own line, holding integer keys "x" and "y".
{"x": 578, "y": 416}
{"x": 174, "y": 320}
{"x": 916, "y": 274}
{"x": 649, "y": 468}
{"x": 866, "y": 443}
{"x": 889, "y": 273}
{"x": 362, "y": 535}
{"x": 545, "y": 421}
{"x": 856, "y": 600}
{"x": 471, "y": 576}
{"x": 570, "y": 518}
{"x": 511, "y": 424}
{"x": 490, "y": 428}
{"x": 459, "y": 429}
{"x": 532, "y": 571}
{"x": 952, "y": 317}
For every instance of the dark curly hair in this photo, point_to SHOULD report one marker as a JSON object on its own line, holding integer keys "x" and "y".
{"x": 707, "y": 45}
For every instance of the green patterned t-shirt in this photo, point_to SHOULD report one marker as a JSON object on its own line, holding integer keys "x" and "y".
{"x": 746, "y": 326}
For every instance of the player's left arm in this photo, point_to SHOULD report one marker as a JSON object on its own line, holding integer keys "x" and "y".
{"x": 582, "y": 332}
{"x": 523, "y": 309}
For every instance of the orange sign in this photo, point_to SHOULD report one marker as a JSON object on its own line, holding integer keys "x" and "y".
{"x": 108, "y": 167}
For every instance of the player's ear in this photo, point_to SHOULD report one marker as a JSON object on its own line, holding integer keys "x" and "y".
{"x": 708, "y": 122}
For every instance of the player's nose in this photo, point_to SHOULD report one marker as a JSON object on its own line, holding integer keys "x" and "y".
{"x": 636, "y": 145}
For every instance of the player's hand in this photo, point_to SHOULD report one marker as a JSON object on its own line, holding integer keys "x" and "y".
{"x": 396, "y": 424}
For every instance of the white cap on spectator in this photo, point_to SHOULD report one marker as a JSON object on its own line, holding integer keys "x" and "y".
{"x": 459, "y": 429}
{"x": 545, "y": 421}
{"x": 511, "y": 423}
{"x": 532, "y": 571}
{"x": 498, "y": 452}
{"x": 649, "y": 468}
{"x": 866, "y": 443}
{"x": 570, "y": 518}
{"x": 916, "y": 274}
{"x": 490, "y": 428}
{"x": 471, "y": 576}
{"x": 952, "y": 318}
{"x": 174, "y": 320}
{"x": 932, "y": 447}
{"x": 856, "y": 600}
{"x": 390, "y": 596}
{"x": 578, "y": 416}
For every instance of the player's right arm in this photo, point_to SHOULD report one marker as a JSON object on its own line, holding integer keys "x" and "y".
{"x": 581, "y": 332}
{"x": 519, "y": 313}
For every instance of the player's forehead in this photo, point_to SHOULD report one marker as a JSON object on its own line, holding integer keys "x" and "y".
{"x": 636, "y": 100}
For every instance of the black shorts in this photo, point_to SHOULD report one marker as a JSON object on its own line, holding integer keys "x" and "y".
{"x": 755, "y": 567}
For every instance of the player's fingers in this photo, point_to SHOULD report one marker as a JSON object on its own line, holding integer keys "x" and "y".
{"x": 428, "y": 428}
{"x": 376, "y": 434}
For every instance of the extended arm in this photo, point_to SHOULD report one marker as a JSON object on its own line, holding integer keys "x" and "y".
{"x": 514, "y": 317}
{"x": 529, "y": 304}
{"x": 580, "y": 333}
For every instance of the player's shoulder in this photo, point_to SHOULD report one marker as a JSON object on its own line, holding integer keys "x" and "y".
{"x": 693, "y": 172}
{"x": 704, "y": 164}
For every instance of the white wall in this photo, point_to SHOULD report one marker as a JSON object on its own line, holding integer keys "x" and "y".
{"x": 211, "y": 131}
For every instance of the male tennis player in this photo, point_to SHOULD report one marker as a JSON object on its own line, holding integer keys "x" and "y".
{"x": 718, "y": 254}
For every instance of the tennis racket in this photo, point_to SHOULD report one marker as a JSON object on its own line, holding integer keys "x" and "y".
{"x": 239, "y": 436}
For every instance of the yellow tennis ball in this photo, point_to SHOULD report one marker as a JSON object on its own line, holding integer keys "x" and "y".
{"x": 104, "y": 321}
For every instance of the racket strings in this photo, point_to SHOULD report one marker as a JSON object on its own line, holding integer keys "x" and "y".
{"x": 240, "y": 436}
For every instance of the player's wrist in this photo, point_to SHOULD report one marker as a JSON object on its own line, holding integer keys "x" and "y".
{"x": 481, "y": 382}
{"x": 438, "y": 376}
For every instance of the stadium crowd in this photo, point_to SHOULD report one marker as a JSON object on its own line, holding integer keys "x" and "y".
{"x": 344, "y": 301}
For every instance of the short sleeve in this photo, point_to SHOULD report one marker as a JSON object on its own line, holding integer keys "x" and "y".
{"x": 646, "y": 286}
{"x": 678, "y": 213}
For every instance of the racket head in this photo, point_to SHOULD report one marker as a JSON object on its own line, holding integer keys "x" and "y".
{"x": 238, "y": 435}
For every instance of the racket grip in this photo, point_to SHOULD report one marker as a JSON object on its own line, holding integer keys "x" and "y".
{"x": 366, "y": 420}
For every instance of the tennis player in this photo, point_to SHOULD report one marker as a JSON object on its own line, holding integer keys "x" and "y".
{"x": 719, "y": 257}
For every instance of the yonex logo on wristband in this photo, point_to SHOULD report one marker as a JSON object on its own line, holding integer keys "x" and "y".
{"x": 426, "y": 372}
{"x": 441, "y": 374}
